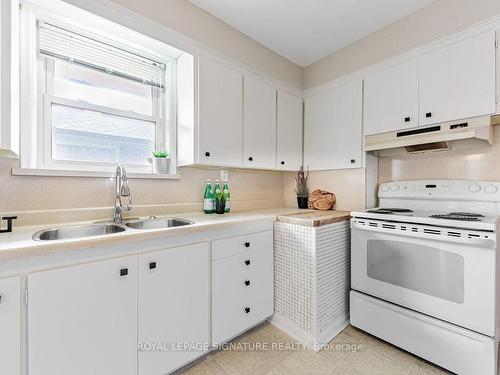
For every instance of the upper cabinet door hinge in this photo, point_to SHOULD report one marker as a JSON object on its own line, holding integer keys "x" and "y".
{"x": 26, "y": 296}
{"x": 496, "y": 43}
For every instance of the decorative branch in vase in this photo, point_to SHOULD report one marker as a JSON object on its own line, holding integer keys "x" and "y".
{"x": 301, "y": 189}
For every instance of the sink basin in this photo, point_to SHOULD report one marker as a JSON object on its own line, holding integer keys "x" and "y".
{"x": 158, "y": 223}
{"x": 65, "y": 233}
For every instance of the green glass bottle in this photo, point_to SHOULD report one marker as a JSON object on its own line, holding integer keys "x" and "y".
{"x": 227, "y": 197}
{"x": 208, "y": 199}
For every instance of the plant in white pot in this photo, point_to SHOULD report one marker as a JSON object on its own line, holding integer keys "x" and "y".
{"x": 161, "y": 162}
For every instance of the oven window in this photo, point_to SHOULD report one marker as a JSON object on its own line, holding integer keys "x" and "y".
{"x": 420, "y": 268}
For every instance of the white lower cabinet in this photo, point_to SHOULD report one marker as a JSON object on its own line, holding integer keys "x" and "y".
{"x": 82, "y": 319}
{"x": 174, "y": 307}
{"x": 143, "y": 314}
{"x": 242, "y": 284}
{"x": 10, "y": 326}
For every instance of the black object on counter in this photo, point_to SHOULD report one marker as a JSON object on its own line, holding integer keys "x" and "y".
{"x": 9, "y": 220}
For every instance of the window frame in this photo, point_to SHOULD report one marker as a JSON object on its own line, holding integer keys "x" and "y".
{"x": 37, "y": 98}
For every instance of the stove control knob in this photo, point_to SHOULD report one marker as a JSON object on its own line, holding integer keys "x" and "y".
{"x": 385, "y": 187}
{"x": 475, "y": 188}
{"x": 395, "y": 187}
{"x": 490, "y": 189}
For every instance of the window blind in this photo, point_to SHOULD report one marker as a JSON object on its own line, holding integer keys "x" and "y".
{"x": 56, "y": 42}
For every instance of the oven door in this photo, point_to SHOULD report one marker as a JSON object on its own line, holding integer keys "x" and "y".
{"x": 443, "y": 272}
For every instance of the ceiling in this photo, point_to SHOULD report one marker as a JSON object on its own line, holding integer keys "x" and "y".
{"x": 305, "y": 31}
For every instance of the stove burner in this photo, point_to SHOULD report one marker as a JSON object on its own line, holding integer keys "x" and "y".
{"x": 404, "y": 210}
{"x": 468, "y": 214}
{"x": 390, "y": 211}
{"x": 457, "y": 216}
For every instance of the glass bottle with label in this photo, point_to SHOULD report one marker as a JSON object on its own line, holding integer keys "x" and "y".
{"x": 208, "y": 199}
{"x": 227, "y": 197}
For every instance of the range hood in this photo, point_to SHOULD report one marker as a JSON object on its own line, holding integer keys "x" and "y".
{"x": 464, "y": 134}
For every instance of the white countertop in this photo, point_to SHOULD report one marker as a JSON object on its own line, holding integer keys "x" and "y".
{"x": 20, "y": 244}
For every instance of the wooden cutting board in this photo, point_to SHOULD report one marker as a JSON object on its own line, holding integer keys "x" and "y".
{"x": 315, "y": 218}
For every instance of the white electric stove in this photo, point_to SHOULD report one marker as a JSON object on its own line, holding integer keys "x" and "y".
{"x": 424, "y": 271}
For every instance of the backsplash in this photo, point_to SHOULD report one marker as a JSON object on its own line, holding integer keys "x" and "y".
{"x": 478, "y": 164}
{"x": 348, "y": 185}
{"x": 44, "y": 200}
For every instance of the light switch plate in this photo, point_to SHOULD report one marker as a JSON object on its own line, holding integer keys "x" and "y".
{"x": 224, "y": 175}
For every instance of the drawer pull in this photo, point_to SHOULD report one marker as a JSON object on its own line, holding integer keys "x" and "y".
{"x": 247, "y": 310}
{"x": 247, "y": 262}
{"x": 247, "y": 244}
{"x": 247, "y": 282}
{"x": 152, "y": 265}
{"x": 124, "y": 272}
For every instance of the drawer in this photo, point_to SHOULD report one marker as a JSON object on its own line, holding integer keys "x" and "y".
{"x": 242, "y": 244}
{"x": 242, "y": 293}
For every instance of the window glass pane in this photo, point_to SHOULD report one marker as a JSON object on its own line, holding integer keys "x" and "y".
{"x": 79, "y": 83}
{"x": 88, "y": 135}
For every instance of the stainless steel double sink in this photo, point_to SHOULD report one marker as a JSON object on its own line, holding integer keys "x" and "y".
{"x": 102, "y": 229}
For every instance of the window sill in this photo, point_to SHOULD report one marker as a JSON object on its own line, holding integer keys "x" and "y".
{"x": 90, "y": 174}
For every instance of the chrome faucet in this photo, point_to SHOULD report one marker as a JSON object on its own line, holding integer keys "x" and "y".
{"x": 122, "y": 190}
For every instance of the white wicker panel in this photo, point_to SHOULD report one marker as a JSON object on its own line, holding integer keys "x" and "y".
{"x": 293, "y": 273}
{"x": 333, "y": 273}
{"x": 312, "y": 274}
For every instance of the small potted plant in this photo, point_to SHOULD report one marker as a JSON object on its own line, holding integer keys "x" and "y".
{"x": 302, "y": 190}
{"x": 220, "y": 202}
{"x": 161, "y": 162}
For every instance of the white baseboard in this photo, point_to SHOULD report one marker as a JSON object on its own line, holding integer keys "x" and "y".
{"x": 314, "y": 343}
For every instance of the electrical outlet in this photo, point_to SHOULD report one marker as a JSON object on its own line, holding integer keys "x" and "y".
{"x": 224, "y": 175}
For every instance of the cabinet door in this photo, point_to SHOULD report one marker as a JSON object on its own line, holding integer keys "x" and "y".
{"x": 220, "y": 114}
{"x": 174, "y": 306}
{"x": 10, "y": 326}
{"x": 458, "y": 81}
{"x": 391, "y": 99}
{"x": 289, "y": 135}
{"x": 332, "y": 128}
{"x": 259, "y": 124}
{"x": 83, "y": 319}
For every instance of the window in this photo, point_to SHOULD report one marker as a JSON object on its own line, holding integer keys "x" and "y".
{"x": 97, "y": 101}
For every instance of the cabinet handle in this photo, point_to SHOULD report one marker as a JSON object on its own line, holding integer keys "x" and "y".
{"x": 124, "y": 272}
{"x": 282, "y": 162}
{"x": 353, "y": 161}
{"x": 247, "y": 310}
{"x": 0, "y": 298}
{"x": 250, "y": 158}
{"x": 152, "y": 265}
{"x": 247, "y": 282}
{"x": 247, "y": 262}
{"x": 407, "y": 119}
{"x": 207, "y": 154}
{"x": 247, "y": 244}
{"x": 428, "y": 114}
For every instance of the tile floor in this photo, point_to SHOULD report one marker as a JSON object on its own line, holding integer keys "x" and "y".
{"x": 376, "y": 357}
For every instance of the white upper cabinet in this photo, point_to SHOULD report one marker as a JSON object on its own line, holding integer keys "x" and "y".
{"x": 332, "y": 128}
{"x": 289, "y": 132}
{"x": 9, "y": 78}
{"x": 83, "y": 319}
{"x": 174, "y": 305}
{"x": 391, "y": 99}
{"x": 458, "y": 81}
{"x": 10, "y": 326}
{"x": 259, "y": 124}
{"x": 220, "y": 114}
